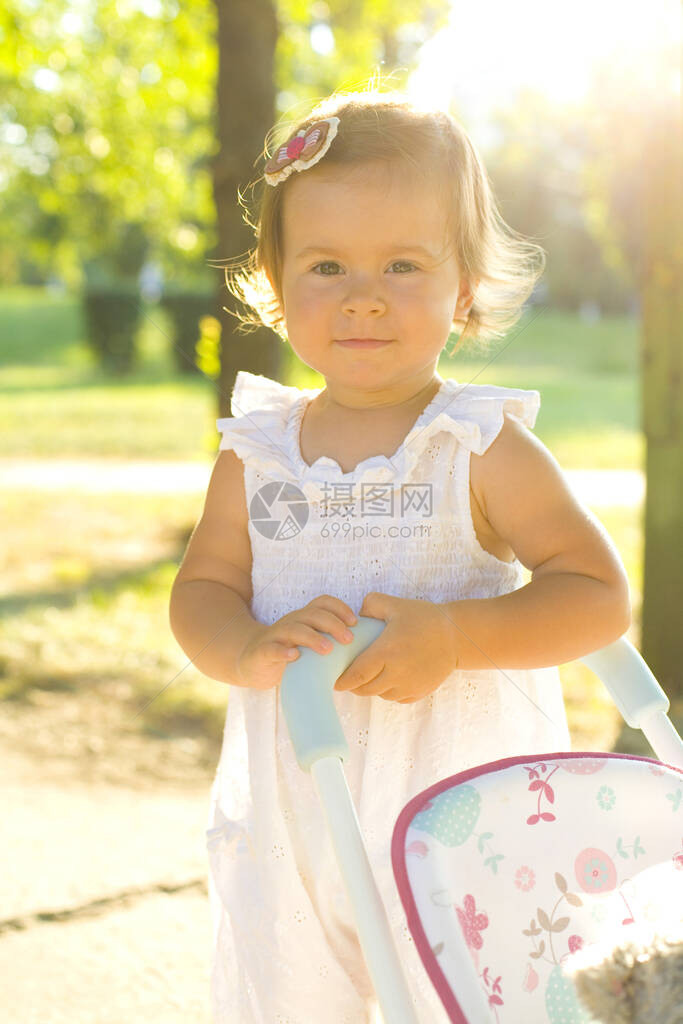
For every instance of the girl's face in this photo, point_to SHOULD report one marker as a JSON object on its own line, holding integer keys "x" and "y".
{"x": 365, "y": 256}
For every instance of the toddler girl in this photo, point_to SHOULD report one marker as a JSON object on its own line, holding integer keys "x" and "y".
{"x": 391, "y": 493}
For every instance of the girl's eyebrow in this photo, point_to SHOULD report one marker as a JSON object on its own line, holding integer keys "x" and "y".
{"x": 398, "y": 247}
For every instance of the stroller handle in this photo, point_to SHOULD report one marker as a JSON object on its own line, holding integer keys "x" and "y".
{"x": 307, "y": 688}
{"x": 320, "y": 747}
{"x": 306, "y": 694}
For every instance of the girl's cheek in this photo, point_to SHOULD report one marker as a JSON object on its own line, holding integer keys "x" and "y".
{"x": 309, "y": 299}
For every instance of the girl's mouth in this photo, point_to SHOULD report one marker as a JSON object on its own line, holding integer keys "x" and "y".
{"x": 363, "y": 342}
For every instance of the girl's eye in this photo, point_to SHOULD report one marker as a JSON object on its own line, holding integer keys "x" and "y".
{"x": 321, "y": 267}
{"x": 403, "y": 263}
{"x": 327, "y": 263}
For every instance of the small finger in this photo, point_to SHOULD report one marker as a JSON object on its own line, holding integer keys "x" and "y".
{"x": 313, "y": 638}
{"x": 347, "y": 684}
{"x": 330, "y": 623}
{"x": 289, "y": 653}
{"x": 345, "y": 612}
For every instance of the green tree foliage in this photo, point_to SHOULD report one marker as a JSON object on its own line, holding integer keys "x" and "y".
{"x": 105, "y": 131}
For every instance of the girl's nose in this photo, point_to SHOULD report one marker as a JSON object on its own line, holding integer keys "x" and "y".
{"x": 363, "y": 298}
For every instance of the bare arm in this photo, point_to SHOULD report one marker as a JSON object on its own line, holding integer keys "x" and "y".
{"x": 212, "y": 623}
{"x": 209, "y": 610}
{"x": 578, "y": 598}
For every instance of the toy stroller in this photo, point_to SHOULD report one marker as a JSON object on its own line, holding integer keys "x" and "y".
{"x": 592, "y": 843}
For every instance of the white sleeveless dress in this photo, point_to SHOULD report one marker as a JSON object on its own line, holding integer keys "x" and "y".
{"x": 285, "y": 947}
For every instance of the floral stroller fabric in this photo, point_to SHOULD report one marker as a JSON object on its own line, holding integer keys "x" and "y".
{"x": 529, "y": 860}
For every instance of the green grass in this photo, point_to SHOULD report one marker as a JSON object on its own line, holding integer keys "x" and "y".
{"x": 84, "y": 606}
{"x": 86, "y": 578}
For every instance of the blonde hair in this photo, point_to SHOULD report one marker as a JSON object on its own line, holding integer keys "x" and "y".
{"x": 500, "y": 266}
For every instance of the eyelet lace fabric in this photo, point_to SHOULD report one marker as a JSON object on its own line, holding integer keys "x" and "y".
{"x": 284, "y": 938}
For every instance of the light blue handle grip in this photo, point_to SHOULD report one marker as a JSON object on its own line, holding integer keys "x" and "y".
{"x": 631, "y": 684}
{"x": 306, "y": 693}
{"x": 307, "y": 689}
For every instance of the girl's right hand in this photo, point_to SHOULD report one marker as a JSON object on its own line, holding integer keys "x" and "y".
{"x": 264, "y": 657}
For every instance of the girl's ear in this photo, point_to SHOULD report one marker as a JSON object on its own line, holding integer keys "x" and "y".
{"x": 465, "y": 300}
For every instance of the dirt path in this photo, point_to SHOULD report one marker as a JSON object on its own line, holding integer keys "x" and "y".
{"x": 105, "y": 915}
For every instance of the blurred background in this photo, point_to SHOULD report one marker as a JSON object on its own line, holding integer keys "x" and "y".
{"x": 126, "y": 130}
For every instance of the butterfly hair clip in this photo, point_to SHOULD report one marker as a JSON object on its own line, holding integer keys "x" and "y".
{"x": 303, "y": 150}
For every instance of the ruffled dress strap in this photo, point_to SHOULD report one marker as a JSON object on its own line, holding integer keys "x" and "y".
{"x": 253, "y": 391}
{"x": 476, "y": 412}
{"x": 258, "y": 430}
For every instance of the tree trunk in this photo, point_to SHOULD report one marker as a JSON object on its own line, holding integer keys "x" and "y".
{"x": 662, "y": 379}
{"x": 247, "y": 34}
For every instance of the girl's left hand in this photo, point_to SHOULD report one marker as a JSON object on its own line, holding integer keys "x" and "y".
{"x": 412, "y": 656}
